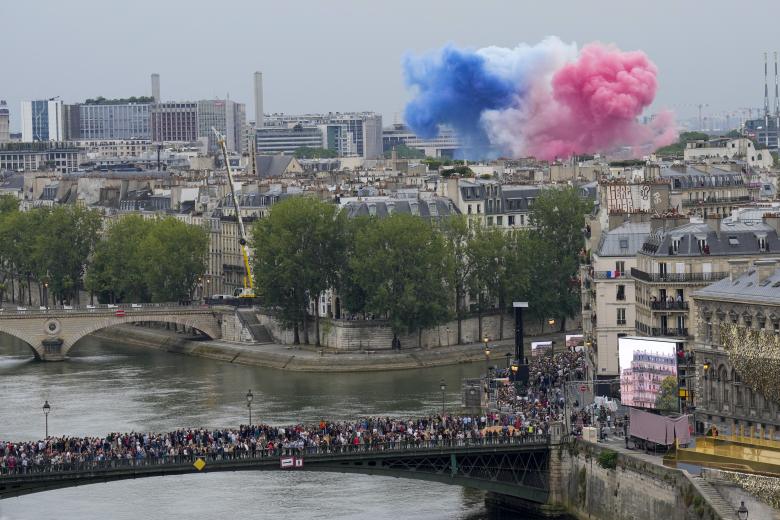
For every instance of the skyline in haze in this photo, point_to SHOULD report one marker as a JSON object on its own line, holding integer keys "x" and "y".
{"x": 346, "y": 55}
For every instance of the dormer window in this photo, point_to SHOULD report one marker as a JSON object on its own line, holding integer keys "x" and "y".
{"x": 704, "y": 248}
{"x": 761, "y": 243}
{"x": 733, "y": 241}
{"x": 675, "y": 245}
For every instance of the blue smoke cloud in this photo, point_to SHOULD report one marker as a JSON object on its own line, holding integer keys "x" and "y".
{"x": 454, "y": 87}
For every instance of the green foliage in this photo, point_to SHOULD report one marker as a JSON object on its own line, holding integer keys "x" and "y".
{"x": 405, "y": 152}
{"x": 775, "y": 159}
{"x": 557, "y": 218}
{"x": 463, "y": 171}
{"x": 100, "y": 100}
{"x": 8, "y": 204}
{"x": 49, "y": 245}
{"x": 487, "y": 255}
{"x": 678, "y": 147}
{"x": 299, "y": 249}
{"x": 607, "y": 459}
{"x": 667, "y": 398}
{"x": 401, "y": 263}
{"x": 143, "y": 260}
{"x": 306, "y": 152}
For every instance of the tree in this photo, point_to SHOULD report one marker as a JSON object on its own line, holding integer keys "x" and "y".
{"x": 405, "y": 152}
{"x": 402, "y": 264}
{"x": 678, "y": 147}
{"x": 457, "y": 235}
{"x": 486, "y": 254}
{"x": 299, "y": 249}
{"x": 143, "y": 260}
{"x": 306, "y": 152}
{"x": 667, "y": 398}
{"x": 8, "y": 204}
{"x": 557, "y": 218}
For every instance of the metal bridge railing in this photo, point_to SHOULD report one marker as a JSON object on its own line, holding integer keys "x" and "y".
{"x": 20, "y": 310}
{"x": 211, "y": 457}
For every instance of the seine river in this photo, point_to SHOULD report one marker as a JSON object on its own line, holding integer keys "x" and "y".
{"x": 105, "y": 387}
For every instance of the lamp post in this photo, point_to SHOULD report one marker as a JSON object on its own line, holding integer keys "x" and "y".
{"x": 443, "y": 387}
{"x": 742, "y": 512}
{"x": 249, "y": 397}
{"x": 46, "y": 410}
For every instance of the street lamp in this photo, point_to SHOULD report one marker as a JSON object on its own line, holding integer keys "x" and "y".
{"x": 443, "y": 387}
{"x": 249, "y": 397}
{"x": 742, "y": 512}
{"x": 46, "y": 410}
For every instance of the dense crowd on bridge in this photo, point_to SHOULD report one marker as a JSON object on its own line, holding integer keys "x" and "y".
{"x": 370, "y": 434}
{"x": 521, "y": 416}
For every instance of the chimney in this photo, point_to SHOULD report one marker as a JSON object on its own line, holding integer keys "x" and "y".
{"x": 652, "y": 171}
{"x": 765, "y": 268}
{"x": 777, "y": 93}
{"x": 156, "y": 87}
{"x": 766, "y": 87}
{"x": 736, "y": 268}
{"x": 259, "y": 114}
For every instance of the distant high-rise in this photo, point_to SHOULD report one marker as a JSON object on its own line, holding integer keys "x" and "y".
{"x": 228, "y": 117}
{"x": 259, "y": 116}
{"x": 43, "y": 120}
{"x": 5, "y": 122}
{"x": 156, "y": 87}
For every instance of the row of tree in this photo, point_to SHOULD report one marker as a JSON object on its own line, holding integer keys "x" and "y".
{"x": 62, "y": 250}
{"x": 413, "y": 272}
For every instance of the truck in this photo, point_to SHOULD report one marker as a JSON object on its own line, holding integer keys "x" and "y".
{"x": 650, "y": 431}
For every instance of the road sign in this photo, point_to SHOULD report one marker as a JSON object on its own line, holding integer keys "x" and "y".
{"x": 287, "y": 462}
{"x": 583, "y": 388}
{"x": 199, "y": 464}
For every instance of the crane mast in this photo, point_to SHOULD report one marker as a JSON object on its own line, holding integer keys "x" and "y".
{"x": 248, "y": 290}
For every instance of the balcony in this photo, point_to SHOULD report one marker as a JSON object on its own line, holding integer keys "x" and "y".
{"x": 677, "y": 277}
{"x": 609, "y": 275}
{"x": 668, "y": 332}
{"x": 669, "y": 306}
{"x": 714, "y": 200}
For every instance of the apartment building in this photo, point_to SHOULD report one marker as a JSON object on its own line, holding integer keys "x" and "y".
{"x": 680, "y": 256}
{"x": 491, "y": 203}
{"x": 608, "y": 294}
{"x": 705, "y": 190}
{"x": 729, "y": 397}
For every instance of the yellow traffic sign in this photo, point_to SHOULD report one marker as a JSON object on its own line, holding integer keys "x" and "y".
{"x": 199, "y": 464}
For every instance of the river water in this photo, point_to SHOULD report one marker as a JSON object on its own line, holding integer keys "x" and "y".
{"x": 109, "y": 387}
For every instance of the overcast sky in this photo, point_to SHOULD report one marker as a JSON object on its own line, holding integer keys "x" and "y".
{"x": 343, "y": 55}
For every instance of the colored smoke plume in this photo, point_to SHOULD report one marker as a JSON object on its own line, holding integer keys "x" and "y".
{"x": 546, "y": 100}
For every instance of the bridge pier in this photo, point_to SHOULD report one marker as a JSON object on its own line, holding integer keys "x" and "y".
{"x": 51, "y": 350}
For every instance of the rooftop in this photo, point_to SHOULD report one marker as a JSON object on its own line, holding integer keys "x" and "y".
{"x": 747, "y": 286}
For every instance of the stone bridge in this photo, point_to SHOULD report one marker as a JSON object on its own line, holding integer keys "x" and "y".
{"x": 51, "y": 333}
{"x": 516, "y": 467}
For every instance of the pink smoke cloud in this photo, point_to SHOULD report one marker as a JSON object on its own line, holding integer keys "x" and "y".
{"x": 590, "y": 105}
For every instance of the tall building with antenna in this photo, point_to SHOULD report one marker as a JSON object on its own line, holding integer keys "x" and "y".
{"x": 765, "y": 130}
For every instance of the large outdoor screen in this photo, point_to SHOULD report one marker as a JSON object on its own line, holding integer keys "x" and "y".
{"x": 644, "y": 365}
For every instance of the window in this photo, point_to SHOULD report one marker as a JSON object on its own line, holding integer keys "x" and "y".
{"x": 511, "y": 220}
{"x": 621, "y": 316}
{"x": 499, "y": 220}
{"x": 479, "y": 209}
{"x": 490, "y": 221}
{"x": 469, "y": 209}
{"x": 621, "y": 292}
{"x": 620, "y": 268}
{"x": 675, "y": 246}
{"x": 733, "y": 241}
{"x": 623, "y": 243}
{"x": 522, "y": 220}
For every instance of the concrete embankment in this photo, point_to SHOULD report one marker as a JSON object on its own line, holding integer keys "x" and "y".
{"x": 305, "y": 359}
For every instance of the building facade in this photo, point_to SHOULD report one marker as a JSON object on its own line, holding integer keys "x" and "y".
{"x": 5, "y": 122}
{"x": 23, "y": 157}
{"x": 228, "y": 118}
{"x": 111, "y": 121}
{"x": 749, "y": 297}
{"x": 640, "y": 384}
{"x": 349, "y": 134}
{"x": 174, "y": 121}
{"x": 43, "y": 120}
{"x": 287, "y": 140}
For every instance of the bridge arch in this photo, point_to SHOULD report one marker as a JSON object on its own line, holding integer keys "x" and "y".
{"x": 29, "y": 339}
{"x": 208, "y": 324}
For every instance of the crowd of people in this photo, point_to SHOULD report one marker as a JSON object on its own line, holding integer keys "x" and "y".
{"x": 185, "y": 445}
{"x": 519, "y": 415}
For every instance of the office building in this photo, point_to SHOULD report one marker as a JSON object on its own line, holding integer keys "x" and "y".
{"x": 43, "y": 120}
{"x": 111, "y": 119}
{"x": 174, "y": 121}
{"x": 353, "y": 134}
{"x": 59, "y": 157}
{"x": 270, "y": 140}
{"x": 227, "y": 117}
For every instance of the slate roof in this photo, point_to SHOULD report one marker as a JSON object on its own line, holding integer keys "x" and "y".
{"x": 435, "y": 208}
{"x": 272, "y": 165}
{"x": 745, "y": 287}
{"x": 735, "y": 238}
{"x": 631, "y": 235}
{"x": 516, "y": 197}
{"x": 686, "y": 177}
{"x": 12, "y": 182}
